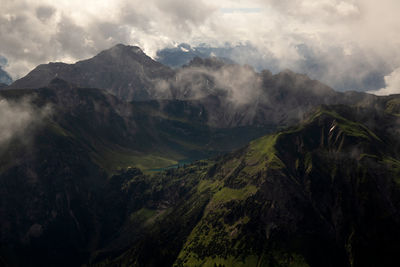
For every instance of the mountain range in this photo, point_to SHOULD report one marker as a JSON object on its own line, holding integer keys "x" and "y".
{"x": 233, "y": 95}
{"x": 309, "y": 61}
{"x": 119, "y": 160}
{"x": 182, "y": 54}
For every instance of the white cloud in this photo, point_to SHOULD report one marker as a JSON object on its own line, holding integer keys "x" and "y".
{"x": 392, "y": 82}
{"x": 346, "y": 9}
{"x": 17, "y": 117}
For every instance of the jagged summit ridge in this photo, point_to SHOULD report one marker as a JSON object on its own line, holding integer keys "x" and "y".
{"x": 231, "y": 94}
{"x": 125, "y": 71}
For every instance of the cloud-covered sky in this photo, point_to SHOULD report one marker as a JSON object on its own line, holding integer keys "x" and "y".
{"x": 348, "y": 44}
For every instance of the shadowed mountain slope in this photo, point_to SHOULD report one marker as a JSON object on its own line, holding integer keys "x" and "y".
{"x": 54, "y": 174}
{"x": 325, "y": 193}
{"x": 78, "y": 185}
{"x": 113, "y": 130}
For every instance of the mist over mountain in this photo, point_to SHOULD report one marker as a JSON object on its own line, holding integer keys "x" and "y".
{"x": 316, "y": 66}
{"x": 276, "y": 201}
{"x": 232, "y": 94}
{"x": 171, "y": 133}
{"x": 121, "y": 160}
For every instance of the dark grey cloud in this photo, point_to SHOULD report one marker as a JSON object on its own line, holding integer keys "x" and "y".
{"x": 185, "y": 12}
{"x": 44, "y": 13}
{"x": 71, "y": 38}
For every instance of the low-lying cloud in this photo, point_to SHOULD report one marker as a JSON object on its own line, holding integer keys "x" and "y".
{"x": 392, "y": 84}
{"x": 354, "y": 71}
{"x": 18, "y": 118}
{"x": 237, "y": 84}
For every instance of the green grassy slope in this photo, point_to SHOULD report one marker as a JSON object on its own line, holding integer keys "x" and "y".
{"x": 147, "y": 135}
{"x": 54, "y": 175}
{"x": 324, "y": 193}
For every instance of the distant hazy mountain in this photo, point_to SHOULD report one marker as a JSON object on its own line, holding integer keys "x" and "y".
{"x": 178, "y": 56}
{"x": 184, "y": 53}
{"x": 236, "y": 95}
{"x": 309, "y": 61}
{"x": 5, "y": 77}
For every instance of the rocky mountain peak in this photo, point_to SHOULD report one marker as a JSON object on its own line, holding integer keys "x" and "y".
{"x": 125, "y": 71}
{"x": 123, "y": 50}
